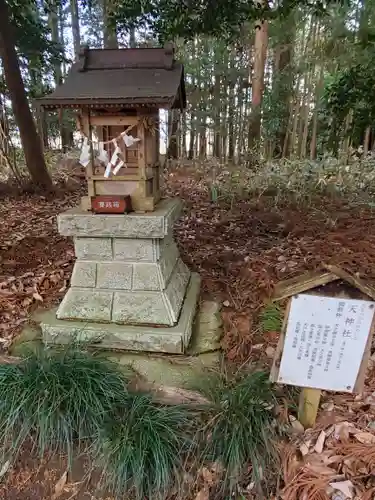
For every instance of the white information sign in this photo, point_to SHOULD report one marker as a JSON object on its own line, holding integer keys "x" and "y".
{"x": 325, "y": 341}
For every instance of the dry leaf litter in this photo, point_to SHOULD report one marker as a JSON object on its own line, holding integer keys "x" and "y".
{"x": 241, "y": 249}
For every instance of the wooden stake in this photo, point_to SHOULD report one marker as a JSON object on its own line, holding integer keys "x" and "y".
{"x": 308, "y": 406}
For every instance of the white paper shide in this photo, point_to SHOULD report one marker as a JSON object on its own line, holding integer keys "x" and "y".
{"x": 114, "y": 164}
{"x": 325, "y": 341}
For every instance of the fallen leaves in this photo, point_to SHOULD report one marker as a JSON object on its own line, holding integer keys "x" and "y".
{"x": 242, "y": 249}
{"x": 270, "y": 352}
{"x": 4, "y": 469}
{"x": 365, "y": 437}
{"x": 59, "y": 487}
{"x": 22, "y": 294}
{"x": 209, "y": 477}
{"x": 336, "y": 462}
{"x": 346, "y": 487}
{"x": 203, "y": 494}
{"x": 37, "y": 297}
{"x": 35, "y": 261}
{"x": 320, "y": 442}
{"x": 296, "y": 425}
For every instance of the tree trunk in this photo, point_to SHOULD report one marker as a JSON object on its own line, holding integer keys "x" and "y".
{"x": 61, "y": 21}
{"x": 231, "y": 109}
{"x": 366, "y": 145}
{"x": 36, "y": 89}
{"x": 314, "y": 135}
{"x": 293, "y": 139}
{"x": 191, "y": 138}
{"x": 74, "y": 13}
{"x": 183, "y": 135}
{"x": 109, "y": 32}
{"x": 42, "y": 127}
{"x": 53, "y": 21}
{"x": 66, "y": 132}
{"x": 30, "y": 140}
{"x": 241, "y": 123}
{"x": 347, "y": 139}
{"x": 132, "y": 42}
{"x": 216, "y": 107}
{"x": 309, "y": 78}
{"x": 231, "y": 105}
{"x": 305, "y": 119}
{"x": 201, "y": 97}
{"x": 283, "y": 82}
{"x": 231, "y": 124}
{"x": 257, "y": 83}
{"x": 172, "y": 151}
{"x": 286, "y": 143}
{"x": 202, "y": 137}
{"x": 224, "y": 108}
{"x": 202, "y": 126}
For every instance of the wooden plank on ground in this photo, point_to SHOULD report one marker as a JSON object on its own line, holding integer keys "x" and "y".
{"x": 302, "y": 283}
{"x": 280, "y": 347}
{"x": 352, "y": 280}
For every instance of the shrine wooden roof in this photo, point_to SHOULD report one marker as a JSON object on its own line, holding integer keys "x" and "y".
{"x": 142, "y": 77}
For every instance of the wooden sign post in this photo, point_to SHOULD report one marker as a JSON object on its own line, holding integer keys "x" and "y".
{"x": 324, "y": 345}
{"x": 308, "y": 406}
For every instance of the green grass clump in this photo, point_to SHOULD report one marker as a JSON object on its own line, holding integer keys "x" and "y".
{"x": 240, "y": 430}
{"x": 141, "y": 451}
{"x": 57, "y": 400}
{"x": 271, "y": 319}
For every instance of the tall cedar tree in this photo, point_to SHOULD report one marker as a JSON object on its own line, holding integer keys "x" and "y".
{"x": 29, "y": 137}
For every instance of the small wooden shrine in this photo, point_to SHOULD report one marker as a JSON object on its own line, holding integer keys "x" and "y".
{"x": 117, "y": 94}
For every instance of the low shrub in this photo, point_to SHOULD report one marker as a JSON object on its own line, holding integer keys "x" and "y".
{"x": 70, "y": 401}
{"x": 57, "y": 400}
{"x": 299, "y": 180}
{"x": 240, "y": 432}
{"x": 141, "y": 451}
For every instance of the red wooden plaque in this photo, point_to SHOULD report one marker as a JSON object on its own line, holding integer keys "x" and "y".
{"x": 110, "y": 204}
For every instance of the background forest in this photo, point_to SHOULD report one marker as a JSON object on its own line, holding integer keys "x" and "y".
{"x": 265, "y": 80}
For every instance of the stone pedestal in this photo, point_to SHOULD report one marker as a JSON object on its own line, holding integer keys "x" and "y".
{"x": 128, "y": 282}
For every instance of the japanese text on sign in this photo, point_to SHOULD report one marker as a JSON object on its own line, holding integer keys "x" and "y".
{"x": 325, "y": 341}
{"x": 109, "y": 204}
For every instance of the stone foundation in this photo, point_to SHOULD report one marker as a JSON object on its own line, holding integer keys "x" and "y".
{"x": 128, "y": 272}
{"x": 180, "y": 370}
{"x": 173, "y": 339}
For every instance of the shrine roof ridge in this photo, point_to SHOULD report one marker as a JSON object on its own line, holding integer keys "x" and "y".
{"x": 129, "y": 77}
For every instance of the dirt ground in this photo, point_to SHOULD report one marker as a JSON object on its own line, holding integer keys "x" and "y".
{"x": 46, "y": 479}
{"x": 241, "y": 250}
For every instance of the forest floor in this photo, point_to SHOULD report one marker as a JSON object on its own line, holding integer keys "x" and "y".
{"x": 241, "y": 249}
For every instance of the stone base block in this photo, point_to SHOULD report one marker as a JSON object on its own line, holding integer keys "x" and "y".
{"x": 157, "y": 224}
{"x": 173, "y": 339}
{"x": 121, "y": 306}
